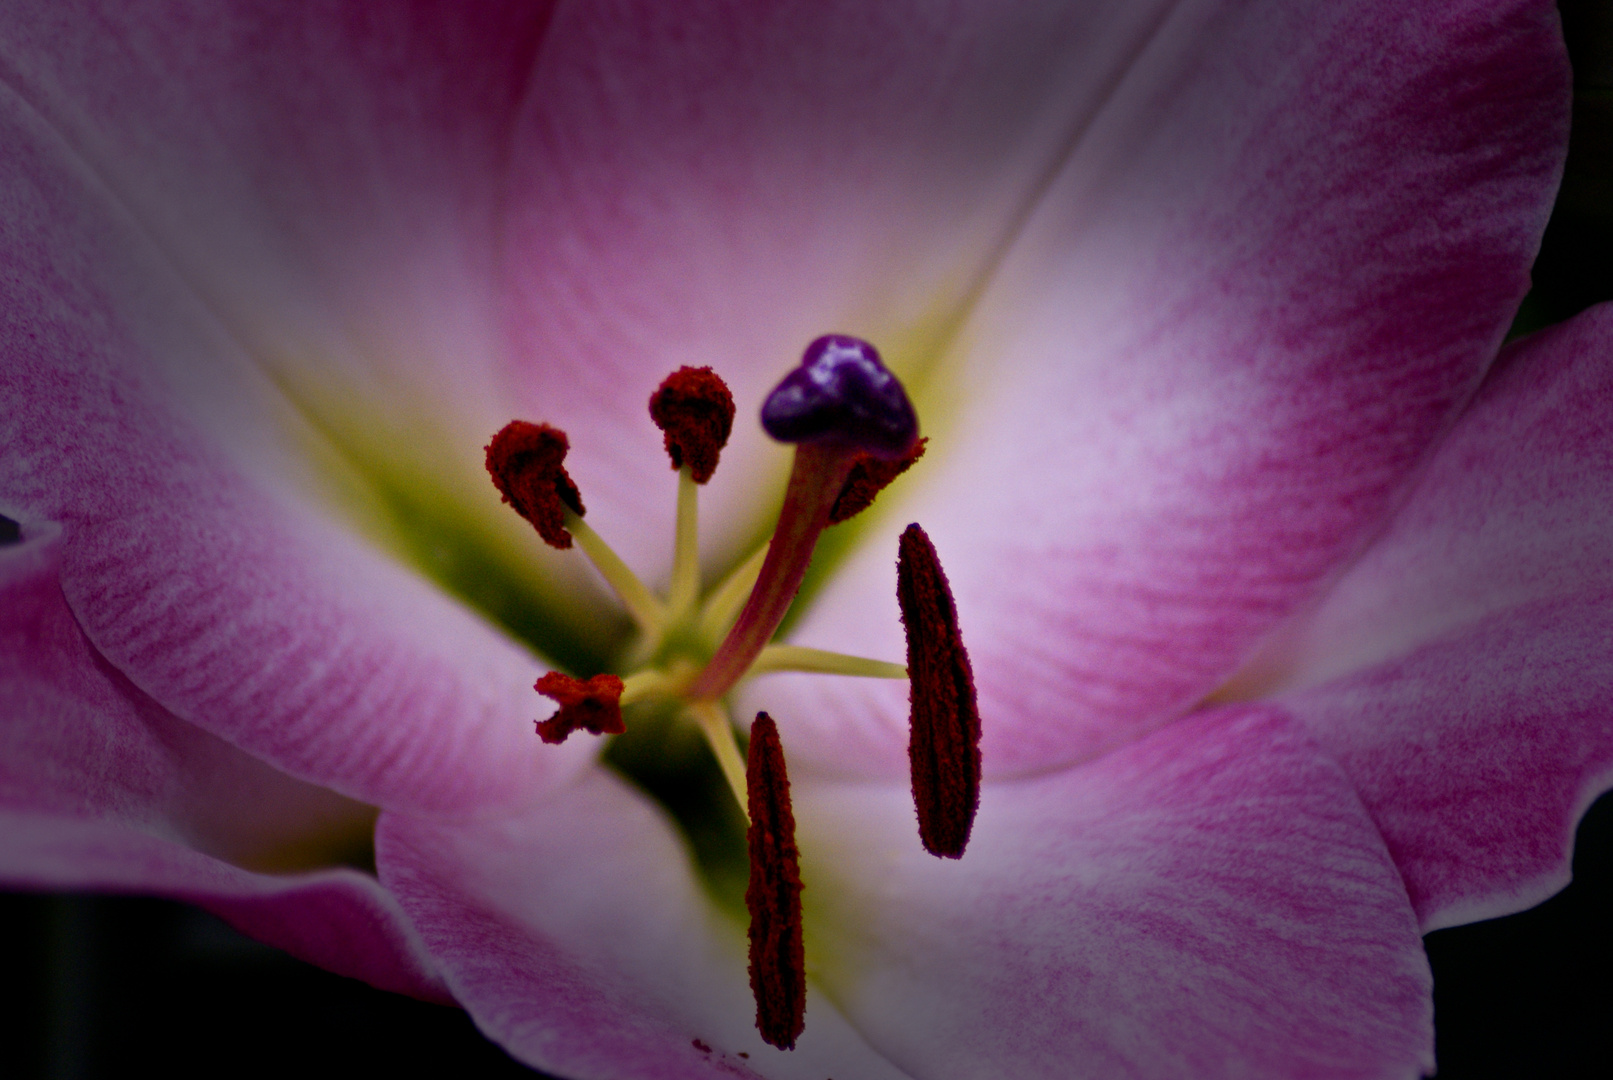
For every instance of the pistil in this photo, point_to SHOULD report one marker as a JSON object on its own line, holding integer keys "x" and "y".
{"x": 815, "y": 482}
{"x": 842, "y": 408}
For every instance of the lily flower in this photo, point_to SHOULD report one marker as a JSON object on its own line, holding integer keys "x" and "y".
{"x": 1284, "y": 585}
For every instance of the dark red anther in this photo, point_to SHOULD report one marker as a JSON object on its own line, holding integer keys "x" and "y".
{"x": 527, "y": 463}
{"x": 944, "y": 745}
{"x": 773, "y": 898}
{"x": 695, "y": 411}
{"x": 593, "y": 705}
{"x": 869, "y": 476}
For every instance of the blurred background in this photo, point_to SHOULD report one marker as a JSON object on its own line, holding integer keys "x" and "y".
{"x": 97, "y": 986}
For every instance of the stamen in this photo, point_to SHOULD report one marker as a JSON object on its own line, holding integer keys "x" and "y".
{"x": 726, "y": 600}
{"x": 594, "y": 705}
{"x": 526, "y": 462}
{"x": 647, "y": 611}
{"x": 823, "y": 662}
{"x": 712, "y": 720}
{"x": 869, "y": 476}
{"x": 944, "y": 744}
{"x": 773, "y": 898}
{"x": 684, "y": 588}
{"x": 695, "y": 411}
{"x": 839, "y": 405}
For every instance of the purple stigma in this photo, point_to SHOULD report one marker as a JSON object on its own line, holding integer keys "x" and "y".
{"x": 842, "y": 393}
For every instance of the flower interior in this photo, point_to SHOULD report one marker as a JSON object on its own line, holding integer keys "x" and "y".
{"x": 666, "y": 710}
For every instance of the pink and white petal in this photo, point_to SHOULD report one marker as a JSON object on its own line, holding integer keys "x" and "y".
{"x": 351, "y": 187}
{"x": 100, "y": 788}
{"x": 1516, "y": 506}
{"x": 340, "y": 919}
{"x": 328, "y": 176}
{"x": 578, "y": 939}
{"x": 218, "y": 590}
{"x": 1209, "y": 901}
{"x": 1477, "y": 754}
{"x": 324, "y": 184}
{"x": 719, "y": 183}
{"x": 78, "y": 739}
{"x": 1460, "y": 670}
{"x": 1272, "y": 267}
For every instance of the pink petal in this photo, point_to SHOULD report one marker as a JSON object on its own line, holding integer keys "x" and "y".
{"x": 1272, "y": 266}
{"x": 423, "y": 220}
{"x": 1209, "y": 901}
{"x": 579, "y": 941}
{"x": 323, "y": 188}
{"x": 211, "y": 583}
{"x": 1460, "y": 672}
{"x": 340, "y": 919}
{"x": 719, "y": 184}
{"x": 326, "y": 176}
{"x": 100, "y": 788}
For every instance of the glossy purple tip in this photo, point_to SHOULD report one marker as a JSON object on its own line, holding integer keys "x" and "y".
{"x": 844, "y": 393}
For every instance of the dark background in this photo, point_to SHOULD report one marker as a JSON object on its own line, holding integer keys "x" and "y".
{"x": 99, "y": 986}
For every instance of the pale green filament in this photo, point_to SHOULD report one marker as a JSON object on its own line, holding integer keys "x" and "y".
{"x": 685, "y": 586}
{"x": 644, "y": 685}
{"x": 822, "y": 662}
{"x": 729, "y": 598}
{"x": 713, "y": 722}
{"x": 647, "y": 611}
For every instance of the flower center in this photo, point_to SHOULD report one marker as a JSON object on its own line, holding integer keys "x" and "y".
{"x": 854, "y": 431}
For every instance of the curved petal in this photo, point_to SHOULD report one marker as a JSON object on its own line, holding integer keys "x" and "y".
{"x": 1272, "y": 267}
{"x": 100, "y": 788}
{"x": 720, "y": 183}
{"x": 579, "y": 941}
{"x": 326, "y": 176}
{"x": 1460, "y": 671}
{"x": 212, "y": 585}
{"x": 1477, "y": 754}
{"x": 340, "y": 919}
{"x": 422, "y": 220}
{"x": 322, "y": 187}
{"x": 1210, "y": 901}
{"x": 1515, "y": 506}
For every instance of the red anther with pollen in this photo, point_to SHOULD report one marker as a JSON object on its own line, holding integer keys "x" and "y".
{"x": 695, "y": 412}
{"x": 869, "y": 476}
{"x": 944, "y": 743}
{"x": 773, "y": 898}
{"x": 593, "y": 705}
{"x": 527, "y": 463}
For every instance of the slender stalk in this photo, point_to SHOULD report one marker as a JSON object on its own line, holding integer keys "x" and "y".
{"x": 647, "y": 611}
{"x": 823, "y": 662}
{"x": 719, "y": 733}
{"x": 685, "y": 586}
{"x": 644, "y": 684}
{"x": 723, "y": 606}
{"x": 815, "y": 482}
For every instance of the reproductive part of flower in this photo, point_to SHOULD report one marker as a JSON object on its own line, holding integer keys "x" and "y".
{"x": 527, "y": 463}
{"x": 944, "y": 741}
{"x": 854, "y": 431}
{"x": 695, "y": 411}
{"x": 593, "y": 705}
{"x": 773, "y": 897}
{"x": 868, "y": 477}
